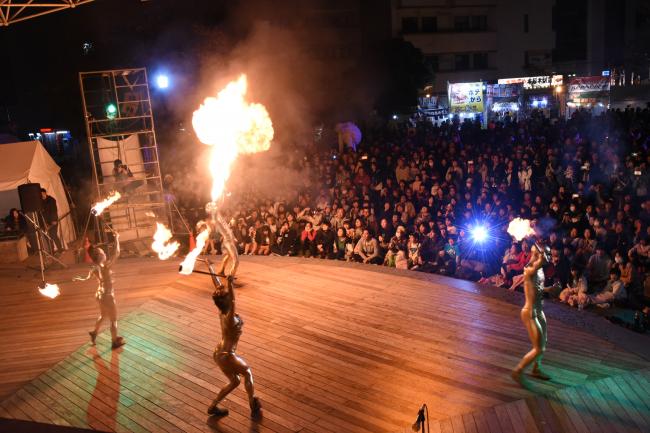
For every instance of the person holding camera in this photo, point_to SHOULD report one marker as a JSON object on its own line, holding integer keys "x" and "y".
{"x": 121, "y": 171}
{"x": 124, "y": 177}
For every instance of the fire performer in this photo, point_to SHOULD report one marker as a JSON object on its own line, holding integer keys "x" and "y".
{"x": 102, "y": 271}
{"x": 532, "y": 314}
{"x": 224, "y": 355}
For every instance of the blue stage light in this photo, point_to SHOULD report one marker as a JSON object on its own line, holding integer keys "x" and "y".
{"x": 479, "y": 234}
{"x": 162, "y": 81}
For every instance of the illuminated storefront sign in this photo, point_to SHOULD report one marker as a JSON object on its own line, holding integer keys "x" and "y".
{"x": 541, "y": 82}
{"x": 466, "y": 97}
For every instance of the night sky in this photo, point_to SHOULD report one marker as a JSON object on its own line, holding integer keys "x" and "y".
{"x": 40, "y": 86}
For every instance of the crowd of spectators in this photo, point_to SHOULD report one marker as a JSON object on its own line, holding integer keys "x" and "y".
{"x": 412, "y": 195}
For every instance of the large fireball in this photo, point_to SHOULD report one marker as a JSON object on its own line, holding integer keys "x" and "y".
{"x": 231, "y": 126}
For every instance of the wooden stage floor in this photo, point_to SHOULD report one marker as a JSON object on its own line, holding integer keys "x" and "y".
{"x": 333, "y": 348}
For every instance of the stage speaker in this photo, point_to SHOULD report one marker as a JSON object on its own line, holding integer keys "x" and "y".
{"x": 30, "y": 197}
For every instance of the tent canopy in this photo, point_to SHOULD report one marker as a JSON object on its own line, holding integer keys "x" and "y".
{"x": 29, "y": 162}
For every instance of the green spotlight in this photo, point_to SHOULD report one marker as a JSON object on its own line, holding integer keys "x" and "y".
{"x": 111, "y": 111}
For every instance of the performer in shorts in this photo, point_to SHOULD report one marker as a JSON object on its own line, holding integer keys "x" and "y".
{"x": 233, "y": 366}
{"x": 102, "y": 271}
{"x": 532, "y": 314}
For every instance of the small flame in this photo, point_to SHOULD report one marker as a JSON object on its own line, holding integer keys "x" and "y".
{"x": 50, "y": 290}
{"x": 231, "y": 126}
{"x": 161, "y": 244}
{"x": 187, "y": 266}
{"x": 99, "y": 207}
{"x": 520, "y": 228}
{"x": 150, "y": 214}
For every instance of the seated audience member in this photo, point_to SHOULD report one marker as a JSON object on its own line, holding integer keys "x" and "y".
{"x": 367, "y": 250}
{"x": 325, "y": 239}
{"x": 250, "y": 245}
{"x": 444, "y": 264}
{"x": 340, "y": 244}
{"x": 264, "y": 239}
{"x": 307, "y": 238}
{"x": 413, "y": 248}
{"x": 396, "y": 246}
{"x": 625, "y": 267}
{"x": 285, "y": 241}
{"x": 597, "y": 271}
{"x": 614, "y": 291}
{"x": 15, "y": 222}
{"x": 575, "y": 294}
{"x": 451, "y": 249}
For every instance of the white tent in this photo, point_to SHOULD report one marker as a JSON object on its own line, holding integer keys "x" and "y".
{"x": 26, "y": 162}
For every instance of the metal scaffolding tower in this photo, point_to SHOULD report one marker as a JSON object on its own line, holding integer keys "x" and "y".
{"x": 123, "y": 148}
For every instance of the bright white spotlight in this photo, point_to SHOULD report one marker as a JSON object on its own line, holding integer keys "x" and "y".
{"x": 162, "y": 81}
{"x": 479, "y": 234}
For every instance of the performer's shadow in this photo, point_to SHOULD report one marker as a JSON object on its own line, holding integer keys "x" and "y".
{"x": 105, "y": 397}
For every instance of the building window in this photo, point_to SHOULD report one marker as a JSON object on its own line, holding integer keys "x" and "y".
{"x": 480, "y": 61}
{"x": 433, "y": 62}
{"x": 479, "y": 22}
{"x": 525, "y": 23}
{"x": 429, "y": 24}
{"x": 462, "y": 62}
{"x": 461, "y": 23}
{"x": 446, "y": 62}
{"x": 409, "y": 25}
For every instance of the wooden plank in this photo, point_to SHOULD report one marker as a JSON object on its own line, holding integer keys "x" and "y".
{"x": 526, "y": 416}
{"x": 481, "y": 423}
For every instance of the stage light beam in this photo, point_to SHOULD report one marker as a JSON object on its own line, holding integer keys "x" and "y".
{"x": 479, "y": 234}
{"x": 162, "y": 81}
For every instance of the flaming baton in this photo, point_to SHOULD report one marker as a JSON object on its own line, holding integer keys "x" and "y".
{"x": 99, "y": 207}
{"x": 187, "y": 266}
{"x": 161, "y": 244}
{"x": 520, "y": 228}
{"x": 50, "y": 290}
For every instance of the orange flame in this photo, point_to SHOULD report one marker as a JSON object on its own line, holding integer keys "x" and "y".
{"x": 187, "y": 266}
{"x": 99, "y": 207}
{"x": 520, "y": 228}
{"x": 50, "y": 290}
{"x": 161, "y": 244}
{"x": 231, "y": 126}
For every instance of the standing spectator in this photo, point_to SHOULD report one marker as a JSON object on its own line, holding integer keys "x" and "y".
{"x": 51, "y": 217}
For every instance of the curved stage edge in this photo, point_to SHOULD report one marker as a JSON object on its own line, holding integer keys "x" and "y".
{"x": 333, "y": 347}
